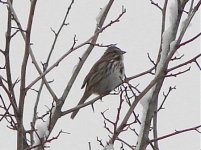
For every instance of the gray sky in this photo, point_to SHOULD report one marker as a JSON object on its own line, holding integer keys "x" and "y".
{"x": 138, "y": 33}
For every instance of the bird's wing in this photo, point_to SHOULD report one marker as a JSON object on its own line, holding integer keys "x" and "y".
{"x": 93, "y": 73}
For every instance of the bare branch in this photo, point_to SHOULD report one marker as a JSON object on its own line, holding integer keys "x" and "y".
{"x": 185, "y": 63}
{"x": 127, "y": 144}
{"x": 20, "y": 135}
{"x": 189, "y": 41}
{"x": 175, "y": 133}
{"x": 14, "y": 106}
{"x": 56, "y": 34}
{"x": 100, "y": 142}
{"x": 30, "y": 50}
{"x": 89, "y": 145}
{"x": 198, "y": 64}
{"x": 150, "y": 59}
{"x": 165, "y": 97}
{"x": 102, "y": 45}
{"x": 149, "y": 71}
{"x": 177, "y": 58}
{"x": 81, "y": 106}
{"x": 178, "y": 73}
{"x": 156, "y": 4}
{"x": 42, "y": 144}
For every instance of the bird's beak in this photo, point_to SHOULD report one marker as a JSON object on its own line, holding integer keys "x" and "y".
{"x": 123, "y": 52}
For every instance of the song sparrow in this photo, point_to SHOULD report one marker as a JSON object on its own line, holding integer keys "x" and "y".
{"x": 106, "y": 74}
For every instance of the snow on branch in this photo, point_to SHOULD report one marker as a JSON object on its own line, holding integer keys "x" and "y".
{"x": 41, "y": 133}
{"x": 168, "y": 43}
{"x": 168, "y": 36}
{"x": 98, "y": 18}
{"x": 109, "y": 147}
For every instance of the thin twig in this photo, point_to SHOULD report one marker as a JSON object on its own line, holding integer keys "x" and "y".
{"x": 185, "y": 63}
{"x": 165, "y": 97}
{"x": 15, "y": 18}
{"x": 20, "y": 135}
{"x": 156, "y": 4}
{"x": 81, "y": 106}
{"x": 175, "y": 133}
{"x": 189, "y": 41}
{"x": 178, "y": 73}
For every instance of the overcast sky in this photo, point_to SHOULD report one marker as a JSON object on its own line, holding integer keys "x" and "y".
{"x": 137, "y": 33}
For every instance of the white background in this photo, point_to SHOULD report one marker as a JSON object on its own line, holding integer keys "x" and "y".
{"x": 138, "y": 33}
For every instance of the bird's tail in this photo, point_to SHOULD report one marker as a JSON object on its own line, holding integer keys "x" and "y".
{"x": 83, "y": 99}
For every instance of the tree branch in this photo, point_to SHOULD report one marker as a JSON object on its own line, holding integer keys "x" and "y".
{"x": 184, "y": 64}
{"x": 175, "y": 133}
{"x": 30, "y": 51}
{"x": 20, "y": 134}
{"x": 189, "y": 41}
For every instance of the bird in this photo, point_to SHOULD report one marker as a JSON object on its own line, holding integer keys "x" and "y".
{"x": 104, "y": 76}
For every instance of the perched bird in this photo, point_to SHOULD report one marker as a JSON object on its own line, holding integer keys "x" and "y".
{"x": 105, "y": 75}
